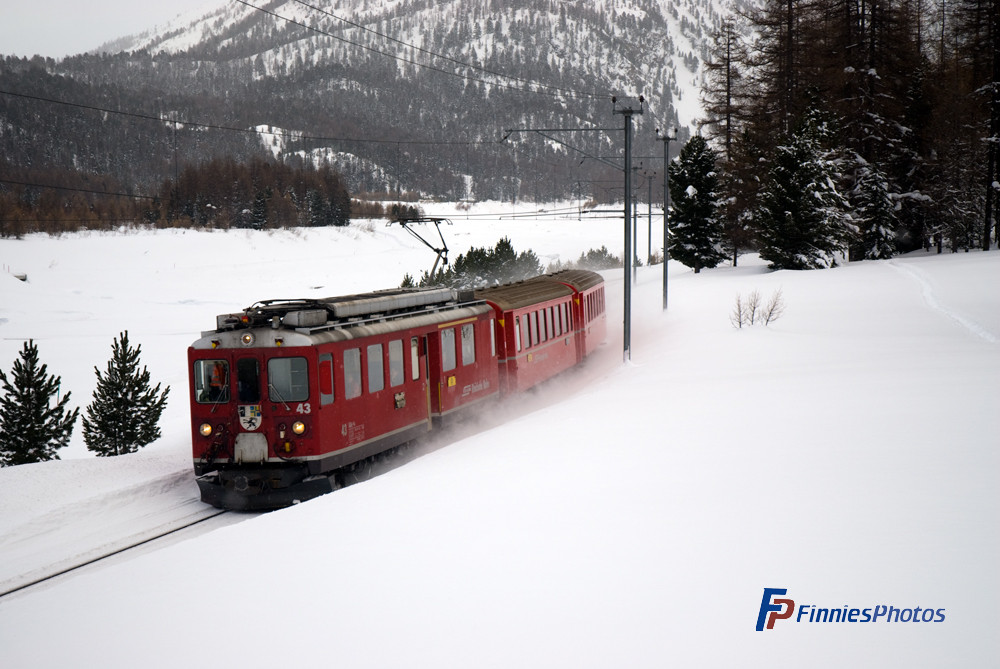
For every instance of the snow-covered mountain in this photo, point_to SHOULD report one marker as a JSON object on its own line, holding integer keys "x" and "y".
{"x": 648, "y": 47}
{"x": 411, "y": 94}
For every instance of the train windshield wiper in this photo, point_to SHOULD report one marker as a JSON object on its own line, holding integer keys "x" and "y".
{"x": 274, "y": 393}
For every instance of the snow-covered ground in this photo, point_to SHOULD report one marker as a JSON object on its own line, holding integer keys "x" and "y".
{"x": 627, "y": 515}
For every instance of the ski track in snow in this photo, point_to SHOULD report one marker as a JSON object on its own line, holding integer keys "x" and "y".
{"x": 927, "y": 292}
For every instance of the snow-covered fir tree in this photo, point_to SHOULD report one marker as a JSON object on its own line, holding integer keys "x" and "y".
{"x": 696, "y": 226}
{"x": 875, "y": 215}
{"x": 803, "y": 221}
{"x": 32, "y": 426}
{"x": 125, "y": 411}
{"x": 486, "y": 267}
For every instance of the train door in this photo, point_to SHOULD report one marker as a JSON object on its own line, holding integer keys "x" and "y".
{"x": 419, "y": 369}
{"x": 251, "y": 442}
{"x": 432, "y": 363}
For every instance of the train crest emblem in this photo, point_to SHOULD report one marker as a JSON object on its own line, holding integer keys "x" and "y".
{"x": 250, "y": 416}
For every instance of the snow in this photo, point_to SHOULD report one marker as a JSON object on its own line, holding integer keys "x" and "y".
{"x": 629, "y": 514}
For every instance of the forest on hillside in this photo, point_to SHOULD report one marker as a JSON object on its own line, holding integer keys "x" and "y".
{"x": 886, "y": 113}
{"x": 874, "y": 122}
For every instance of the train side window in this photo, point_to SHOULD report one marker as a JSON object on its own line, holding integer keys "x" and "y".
{"x": 448, "y": 349}
{"x": 325, "y": 379}
{"x": 396, "y": 373}
{"x": 550, "y": 322}
{"x": 352, "y": 373}
{"x": 468, "y": 344}
{"x": 248, "y": 380}
{"x": 534, "y": 327}
{"x": 493, "y": 338}
{"x": 211, "y": 381}
{"x": 414, "y": 358}
{"x": 376, "y": 369}
{"x": 288, "y": 379}
{"x": 523, "y": 332}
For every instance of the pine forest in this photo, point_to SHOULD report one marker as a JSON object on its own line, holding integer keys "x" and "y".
{"x": 840, "y": 129}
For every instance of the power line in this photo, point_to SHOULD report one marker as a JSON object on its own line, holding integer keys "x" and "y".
{"x": 78, "y": 190}
{"x": 255, "y": 131}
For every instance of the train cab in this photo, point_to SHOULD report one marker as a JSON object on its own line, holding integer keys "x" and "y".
{"x": 289, "y": 391}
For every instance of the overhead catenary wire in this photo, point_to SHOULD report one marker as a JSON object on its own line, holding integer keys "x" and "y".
{"x": 256, "y": 131}
{"x": 78, "y": 190}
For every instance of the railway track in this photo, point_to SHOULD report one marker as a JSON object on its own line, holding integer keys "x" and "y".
{"x": 116, "y": 551}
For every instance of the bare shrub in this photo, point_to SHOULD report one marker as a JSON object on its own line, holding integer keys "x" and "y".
{"x": 738, "y": 316}
{"x": 773, "y": 309}
{"x": 753, "y": 304}
{"x": 751, "y": 310}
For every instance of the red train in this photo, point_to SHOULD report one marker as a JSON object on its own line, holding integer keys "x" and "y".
{"x": 289, "y": 395}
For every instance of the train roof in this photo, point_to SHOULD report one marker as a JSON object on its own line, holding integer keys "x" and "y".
{"x": 539, "y": 289}
{"x": 523, "y": 293}
{"x": 580, "y": 279}
{"x": 313, "y": 315}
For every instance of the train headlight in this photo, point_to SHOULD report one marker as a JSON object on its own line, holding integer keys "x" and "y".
{"x": 247, "y": 339}
{"x": 205, "y": 430}
{"x": 298, "y": 427}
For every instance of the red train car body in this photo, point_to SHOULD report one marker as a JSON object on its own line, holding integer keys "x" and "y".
{"x": 289, "y": 393}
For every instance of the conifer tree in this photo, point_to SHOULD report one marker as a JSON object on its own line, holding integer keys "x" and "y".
{"x": 803, "y": 220}
{"x": 725, "y": 86}
{"x": 875, "y": 215}
{"x": 32, "y": 428}
{"x": 125, "y": 411}
{"x": 695, "y": 221}
{"x": 486, "y": 267}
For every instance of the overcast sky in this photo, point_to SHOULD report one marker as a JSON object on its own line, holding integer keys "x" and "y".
{"x": 60, "y": 28}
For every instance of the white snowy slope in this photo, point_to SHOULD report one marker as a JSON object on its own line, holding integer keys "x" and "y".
{"x": 627, "y": 515}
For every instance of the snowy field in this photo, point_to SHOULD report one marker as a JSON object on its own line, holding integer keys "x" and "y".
{"x": 626, "y": 515}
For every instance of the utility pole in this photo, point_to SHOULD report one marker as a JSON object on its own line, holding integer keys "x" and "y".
{"x": 627, "y": 112}
{"x": 649, "y": 219}
{"x": 635, "y": 233}
{"x": 666, "y": 139}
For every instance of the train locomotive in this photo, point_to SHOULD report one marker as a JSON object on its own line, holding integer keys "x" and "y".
{"x": 289, "y": 395}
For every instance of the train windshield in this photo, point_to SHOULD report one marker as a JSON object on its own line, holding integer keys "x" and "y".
{"x": 288, "y": 379}
{"x": 211, "y": 381}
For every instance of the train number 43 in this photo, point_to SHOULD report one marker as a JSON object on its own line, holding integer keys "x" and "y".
{"x": 303, "y": 407}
